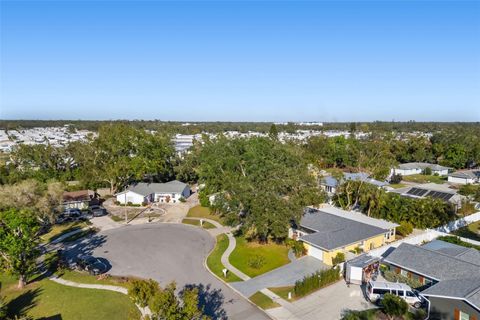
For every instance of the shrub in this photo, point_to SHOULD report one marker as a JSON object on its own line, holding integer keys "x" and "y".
{"x": 182, "y": 199}
{"x": 129, "y": 203}
{"x": 256, "y": 261}
{"x": 144, "y": 203}
{"x": 116, "y": 202}
{"x": 405, "y": 228}
{"x": 141, "y": 291}
{"x": 297, "y": 247}
{"x": 396, "y": 178}
{"x": 315, "y": 281}
{"x": 427, "y": 171}
{"x": 391, "y": 276}
{"x": 203, "y": 198}
{"x": 339, "y": 258}
{"x": 357, "y": 250}
{"x": 394, "y": 306}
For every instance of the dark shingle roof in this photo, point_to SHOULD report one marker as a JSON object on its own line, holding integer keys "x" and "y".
{"x": 430, "y": 263}
{"x": 332, "y": 232}
{"x": 466, "y": 289}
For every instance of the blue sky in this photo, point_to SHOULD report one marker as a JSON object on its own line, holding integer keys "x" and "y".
{"x": 240, "y": 61}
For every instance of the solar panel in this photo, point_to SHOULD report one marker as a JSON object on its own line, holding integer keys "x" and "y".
{"x": 440, "y": 195}
{"x": 417, "y": 192}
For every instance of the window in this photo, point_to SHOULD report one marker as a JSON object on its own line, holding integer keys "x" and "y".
{"x": 410, "y": 294}
{"x": 464, "y": 316}
{"x": 380, "y": 291}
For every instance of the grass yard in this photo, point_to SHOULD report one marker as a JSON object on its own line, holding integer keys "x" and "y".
{"x": 472, "y": 231}
{"x": 253, "y": 258}
{"x": 263, "y": 301}
{"x": 282, "y": 292}
{"x": 195, "y": 222}
{"x": 203, "y": 212}
{"x": 214, "y": 262}
{"x": 397, "y": 185}
{"x": 422, "y": 178}
{"x": 58, "y": 230}
{"x": 46, "y": 299}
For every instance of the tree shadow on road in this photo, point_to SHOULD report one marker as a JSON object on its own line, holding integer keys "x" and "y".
{"x": 211, "y": 300}
{"x": 84, "y": 247}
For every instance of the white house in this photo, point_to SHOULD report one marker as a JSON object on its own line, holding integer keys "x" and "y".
{"x": 407, "y": 169}
{"x": 465, "y": 177}
{"x": 141, "y": 192}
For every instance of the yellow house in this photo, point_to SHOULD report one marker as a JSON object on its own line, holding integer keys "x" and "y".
{"x": 328, "y": 231}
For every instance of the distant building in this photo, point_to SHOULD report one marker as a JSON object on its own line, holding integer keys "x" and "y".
{"x": 80, "y": 199}
{"x": 465, "y": 177}
{"x": 141, "y": 193}
{"x": 432, "y": 190}
{"x": 330, "y": 183}
{"x": 407, "y": 169}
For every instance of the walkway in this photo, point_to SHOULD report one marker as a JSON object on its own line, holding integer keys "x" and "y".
{"x": 144, "y": 311}
{"x": 286, "y": 275}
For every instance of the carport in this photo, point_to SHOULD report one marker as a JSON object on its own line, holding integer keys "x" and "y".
{"x": 361, "y": 269}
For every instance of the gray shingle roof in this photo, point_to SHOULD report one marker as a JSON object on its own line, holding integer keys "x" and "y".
{"x": 467, "y": 174}
{"x": 430, "y": 263}
{"x": 146, "y": 189}
{"x": 332, "y": 232}
{"x": 421, "y": 165}
{"x": 466, "y": 289}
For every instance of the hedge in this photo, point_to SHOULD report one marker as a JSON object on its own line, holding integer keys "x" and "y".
{"x": 316, "y": 281}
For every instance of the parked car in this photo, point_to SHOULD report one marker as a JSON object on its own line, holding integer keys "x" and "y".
{"x": 92, "y": 265}
{"x": 98, "y": 211}
{"x": 376, "y": 290}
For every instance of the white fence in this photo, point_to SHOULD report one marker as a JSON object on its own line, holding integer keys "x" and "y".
{"x": 430, "y": 235}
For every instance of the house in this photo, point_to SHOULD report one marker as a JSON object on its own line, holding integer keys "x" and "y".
{"x": 449, "y": 273}
{"x": 432, "y": 190}
{"x": 465, "y": 177}
{"x": 78, "y": 199}
{"x": 407, "y": 169}
{"x": 328, "y": 231}
{"x": 141, "y": 193}
{"x": 330, "y": 184}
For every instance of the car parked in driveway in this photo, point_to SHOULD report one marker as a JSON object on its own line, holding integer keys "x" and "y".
{"x": 377, "y": 289}
{"x": 98, "y": 211}
{"x": 92, "y": 265}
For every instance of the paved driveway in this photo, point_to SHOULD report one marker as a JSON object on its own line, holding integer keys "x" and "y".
{"x": 167, "y": 252}
{"x": 280, "y": 277}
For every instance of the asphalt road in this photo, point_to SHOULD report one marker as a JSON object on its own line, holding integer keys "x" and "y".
{"x": 169, "y": 252}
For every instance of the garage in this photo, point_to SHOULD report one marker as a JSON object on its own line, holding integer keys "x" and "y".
{"x": 315, "y": 252}
{"x": 361, "y": 269}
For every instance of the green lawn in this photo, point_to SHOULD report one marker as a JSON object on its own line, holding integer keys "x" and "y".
{"x": 47, "y": 299}
{"x": 397, "y": 185}
{"x": 282, "y": 292}
{"x": 195, "y": 222}
{"x": 267, "y": 257}
{"x": 422, "y": 178}
{"x": 263, "y": 301}
{"x": 83, "y": 277}
{"x": 58, "y": 230}
{"x": 215, "y": 264}
{"x": 472, "y": 231}
{"x": 203, "y": 212}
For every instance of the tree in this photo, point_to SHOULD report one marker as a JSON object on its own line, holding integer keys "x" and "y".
{"x": 273, "y": 134}
{"x": 18, "y": 243}
{"x": 394, "y": 306}
{"x": 141, "y": 291}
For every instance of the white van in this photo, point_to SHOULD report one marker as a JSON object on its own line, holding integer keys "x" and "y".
{"x": 376, "y": 290}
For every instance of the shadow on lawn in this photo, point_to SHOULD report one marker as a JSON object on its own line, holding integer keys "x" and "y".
{"x": 21, "y": 305}
{"x": 211, "y": 300}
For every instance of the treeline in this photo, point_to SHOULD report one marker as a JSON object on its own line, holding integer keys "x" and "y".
{"x": 377, "y": 203}
{"x": 222, "y": 126}
{"x": 457, "y": 149}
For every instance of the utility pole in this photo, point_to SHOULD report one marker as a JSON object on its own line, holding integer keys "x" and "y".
{"x": 125, "y": 207}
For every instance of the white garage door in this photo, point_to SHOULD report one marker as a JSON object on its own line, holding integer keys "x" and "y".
{"x": 316, "y": 253}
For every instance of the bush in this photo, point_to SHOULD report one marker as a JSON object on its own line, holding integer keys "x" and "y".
{"x": 427, "y": 171}
{"x": 391, "y": 276}
{"x": 405, "y": 228}
{"x": 182, "y": 199}
{"x": 315, "y": 281}
{"x": 394, "y": 306}
{"x": 141, "y": 291}
{"x": 297, "y": 247}
{"x": 396, "y": 178}
{"x": 203, "y": 198}
{"x": 339, "y": 258}
{"x": 116, "y": 202}
{"x": 256, "y": 261}
{"x": 129, "y": 203}
{"x": 144, "y": 203}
